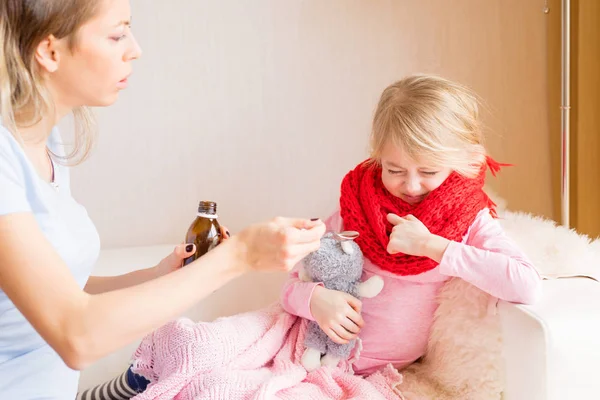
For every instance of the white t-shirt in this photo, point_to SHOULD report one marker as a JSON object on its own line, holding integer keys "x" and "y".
{"x": 29, "y": 367}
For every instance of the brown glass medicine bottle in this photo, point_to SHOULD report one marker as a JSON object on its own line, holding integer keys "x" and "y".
{"x": 205, "y": 231}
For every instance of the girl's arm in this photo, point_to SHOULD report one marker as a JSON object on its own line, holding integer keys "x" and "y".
{"x": 489, "y": 260}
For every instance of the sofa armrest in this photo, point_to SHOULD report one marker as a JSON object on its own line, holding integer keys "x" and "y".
{"x": 552, "y": 348}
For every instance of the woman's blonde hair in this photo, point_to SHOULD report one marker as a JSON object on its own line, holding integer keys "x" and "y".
{"x": 24, "y": 99}
{"x": 432, "y": 119}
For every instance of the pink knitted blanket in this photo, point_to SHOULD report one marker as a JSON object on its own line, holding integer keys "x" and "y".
{"x": 255, "y": 355}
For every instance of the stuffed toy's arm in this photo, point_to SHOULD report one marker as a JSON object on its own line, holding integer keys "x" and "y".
{"x": 371, "y": 287}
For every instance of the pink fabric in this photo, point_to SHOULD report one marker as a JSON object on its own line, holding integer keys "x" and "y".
{"x": 403, "y": 311}
{"x": 248, "y": 356}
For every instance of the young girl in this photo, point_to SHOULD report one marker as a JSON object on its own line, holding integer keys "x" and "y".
{"x": 419, "y": 206}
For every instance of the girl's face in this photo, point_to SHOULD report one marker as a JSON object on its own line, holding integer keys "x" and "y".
{"x": 410, "y": 180}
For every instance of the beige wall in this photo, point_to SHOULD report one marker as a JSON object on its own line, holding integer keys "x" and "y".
{"x": 264, "y": 105}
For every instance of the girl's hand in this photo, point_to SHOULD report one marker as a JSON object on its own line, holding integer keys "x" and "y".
{"x": 337, "y": 313}
{"x": 410, "y": 236}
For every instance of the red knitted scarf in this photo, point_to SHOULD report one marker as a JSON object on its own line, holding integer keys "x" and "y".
{"x": 447, "y": 211}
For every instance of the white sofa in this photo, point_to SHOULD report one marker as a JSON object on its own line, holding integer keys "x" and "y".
{"x": 551, "y": 349}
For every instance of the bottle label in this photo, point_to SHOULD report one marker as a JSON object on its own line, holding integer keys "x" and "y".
{"x": 209, "y": 216}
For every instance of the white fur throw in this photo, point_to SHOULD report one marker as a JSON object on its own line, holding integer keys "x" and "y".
{"x": 463, "y": 359}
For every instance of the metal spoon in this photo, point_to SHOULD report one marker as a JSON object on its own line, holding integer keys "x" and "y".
{"x": 345, "y": 235}
{"x": 345, "y": 239}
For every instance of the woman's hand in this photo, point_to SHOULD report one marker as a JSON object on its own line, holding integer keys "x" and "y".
{"x": 410, "y": 236}
{"x": 174, "y": 261}
{"x": 279, "y": 244}
{"x": 337, "y": 313}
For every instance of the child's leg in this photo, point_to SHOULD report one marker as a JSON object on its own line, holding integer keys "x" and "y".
{"x": 123, "y": 387}
{"x": 136, "y": 382}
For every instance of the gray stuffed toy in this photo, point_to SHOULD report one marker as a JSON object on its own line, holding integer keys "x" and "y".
{"x": 338, "y": 264}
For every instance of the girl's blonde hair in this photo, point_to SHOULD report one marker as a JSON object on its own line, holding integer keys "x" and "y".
{"x": 432, "y": 119}
{"x": 24, "y": 99}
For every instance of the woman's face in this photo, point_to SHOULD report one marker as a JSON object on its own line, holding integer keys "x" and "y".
{"x": 96, "y": 69}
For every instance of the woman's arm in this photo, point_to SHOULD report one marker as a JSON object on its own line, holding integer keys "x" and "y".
{"x": 172, "y": 262}
{"x": 102, "y": 284}
{"x": 82, "y": 328}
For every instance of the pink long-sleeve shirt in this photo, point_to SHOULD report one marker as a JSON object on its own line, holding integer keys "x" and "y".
{"x": 399, "y": 319}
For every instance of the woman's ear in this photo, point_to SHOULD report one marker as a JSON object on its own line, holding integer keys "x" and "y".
{"x": 47, "y": 54}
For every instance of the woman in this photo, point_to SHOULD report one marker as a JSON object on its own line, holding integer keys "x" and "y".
{"x": 56, "y": 58}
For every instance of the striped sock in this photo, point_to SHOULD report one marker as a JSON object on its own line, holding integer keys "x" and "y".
{"x": 116, "y": 389}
